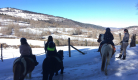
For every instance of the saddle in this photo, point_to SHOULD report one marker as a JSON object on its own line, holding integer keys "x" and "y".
{"x": 114, "y": 50}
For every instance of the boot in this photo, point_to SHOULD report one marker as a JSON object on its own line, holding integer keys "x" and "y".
{"x": 119, "y": 56}
{"x": 124, "y": 57}
{"x": 34, "y": 58}
{"x": 36, "y": 63}
{"x": 98, "y": 49}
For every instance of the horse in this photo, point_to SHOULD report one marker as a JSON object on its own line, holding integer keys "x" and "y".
{"x": 52, "y": 65}
{"x": 101, "y": 38}
{"x": 107, "y": 51}
{"x": 22, "y": 66}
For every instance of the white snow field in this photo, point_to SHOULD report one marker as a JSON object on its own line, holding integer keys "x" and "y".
{"x": 78, "y": 66}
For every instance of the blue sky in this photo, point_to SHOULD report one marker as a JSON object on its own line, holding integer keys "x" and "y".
{"x": 107, "y": 13}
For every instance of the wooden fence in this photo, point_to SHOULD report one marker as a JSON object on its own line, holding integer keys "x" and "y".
{"x": 72, "y": 47}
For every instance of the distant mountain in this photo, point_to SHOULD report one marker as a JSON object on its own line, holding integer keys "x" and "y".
{"x": 46, "y": 18}
{"x": 115, "y": 29}
{"x": 131, "y": 30}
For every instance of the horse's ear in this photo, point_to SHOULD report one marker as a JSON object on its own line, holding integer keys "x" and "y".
{"x": 99, "y": 35}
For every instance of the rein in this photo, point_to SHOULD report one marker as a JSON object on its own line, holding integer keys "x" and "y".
{"x": 117, "y": 44}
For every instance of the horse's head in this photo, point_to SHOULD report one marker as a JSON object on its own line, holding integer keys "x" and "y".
{"x": 61, "y": 53}
{"x": 101, "y": 38}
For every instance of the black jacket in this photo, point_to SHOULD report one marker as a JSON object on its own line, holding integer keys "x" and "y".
{"x": 50, "y": 38}
{"x": 108, "y": 37}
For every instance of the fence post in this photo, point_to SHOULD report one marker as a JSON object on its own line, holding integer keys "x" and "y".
{"x": 1, "y": 53}
{"x": 69, "y": 47}
{"x": 135, "y": 40}
{"x": 44, "y": 45}
{"x": 121, "y": 48}
{"x": 120, "y": 36}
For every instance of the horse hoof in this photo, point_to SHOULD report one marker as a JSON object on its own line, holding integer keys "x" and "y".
{"x": 102, "y": 69}
{"x": 106, "y": 73}
{"x": 56, "y": 74}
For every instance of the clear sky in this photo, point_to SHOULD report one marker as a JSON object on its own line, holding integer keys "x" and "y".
{"x": 107, "y": 13}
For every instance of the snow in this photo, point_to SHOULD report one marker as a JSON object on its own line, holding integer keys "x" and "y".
{"x": 65, "y": 35}
{"x": 78, "y": 66}
{"x": 17, "y": 42}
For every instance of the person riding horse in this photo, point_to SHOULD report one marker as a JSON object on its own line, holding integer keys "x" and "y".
{"x": 108, "y": 38}
{"x": 26, "y": 51}
{"x": 52, "y": 63}
{"x": 50, "y": 38}
{"x": 51, "y": 51}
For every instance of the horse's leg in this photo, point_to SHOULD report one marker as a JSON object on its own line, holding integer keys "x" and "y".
{"x": 62, "y": 68}
{"x": 108, "y": 61}
{"x": 30, "y": 75}
{"x": 56, "y": 73}
{"x": 45, "y": 76}
{"x": 26, "y": 77}
{"x": 17, "y": 71}
{"x": 51, "y": 76}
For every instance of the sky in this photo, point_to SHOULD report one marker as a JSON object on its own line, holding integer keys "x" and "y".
{"x": 106, "y": 13}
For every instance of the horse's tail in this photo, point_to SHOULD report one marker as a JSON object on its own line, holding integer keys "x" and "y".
{"x": 17, "y": 71}
{"x": 103, "y": 62}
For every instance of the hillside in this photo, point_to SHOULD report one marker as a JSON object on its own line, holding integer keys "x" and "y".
{"x": 131, "y": 30}
{"x": 56, "y": 21}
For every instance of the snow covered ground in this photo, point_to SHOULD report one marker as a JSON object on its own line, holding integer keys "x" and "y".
{"x": 78, "y": 66}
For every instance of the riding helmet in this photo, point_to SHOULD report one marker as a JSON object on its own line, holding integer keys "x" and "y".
{"x": 108, "y": 30}
{"x": 23, "y": 40}
{"x": 51, "y": 44}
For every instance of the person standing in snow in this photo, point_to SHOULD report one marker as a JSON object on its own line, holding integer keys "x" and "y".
{"x": 26, "y": 51}
{"x": 124, "y": 44}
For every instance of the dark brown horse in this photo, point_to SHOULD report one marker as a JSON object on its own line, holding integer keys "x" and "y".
{"x": 23, "y": 66}
{"x": 52, "y": 65}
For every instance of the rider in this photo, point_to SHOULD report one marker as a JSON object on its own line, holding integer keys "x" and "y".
{"x": 50, "y": 38}
{"x": 51, "y": 51}
{"x": 26, "y": 51}
{"x": 108, "y": 38}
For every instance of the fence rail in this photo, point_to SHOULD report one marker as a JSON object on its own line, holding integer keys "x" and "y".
{"x": 72, "y": 47}
{"x": 1, "y": 53}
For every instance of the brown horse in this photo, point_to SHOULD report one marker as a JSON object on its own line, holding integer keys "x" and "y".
{"x": 23, "y": 66}
{"x": 52, "y": 65}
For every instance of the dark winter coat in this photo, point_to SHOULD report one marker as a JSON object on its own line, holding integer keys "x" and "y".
{"x": 49, "y": 39}
{"x": 108, "y": 37}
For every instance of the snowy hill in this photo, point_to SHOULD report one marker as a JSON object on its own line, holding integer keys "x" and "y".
{"x": 131, "y": 30}
{"x": 44, "y": 17}
{"x": 78, "y": 66}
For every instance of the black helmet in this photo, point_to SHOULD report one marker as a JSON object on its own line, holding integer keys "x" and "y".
{"x": 108, "y": 30}
{"x": 51, "y": 44}
{"x": 23, "y": 41}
